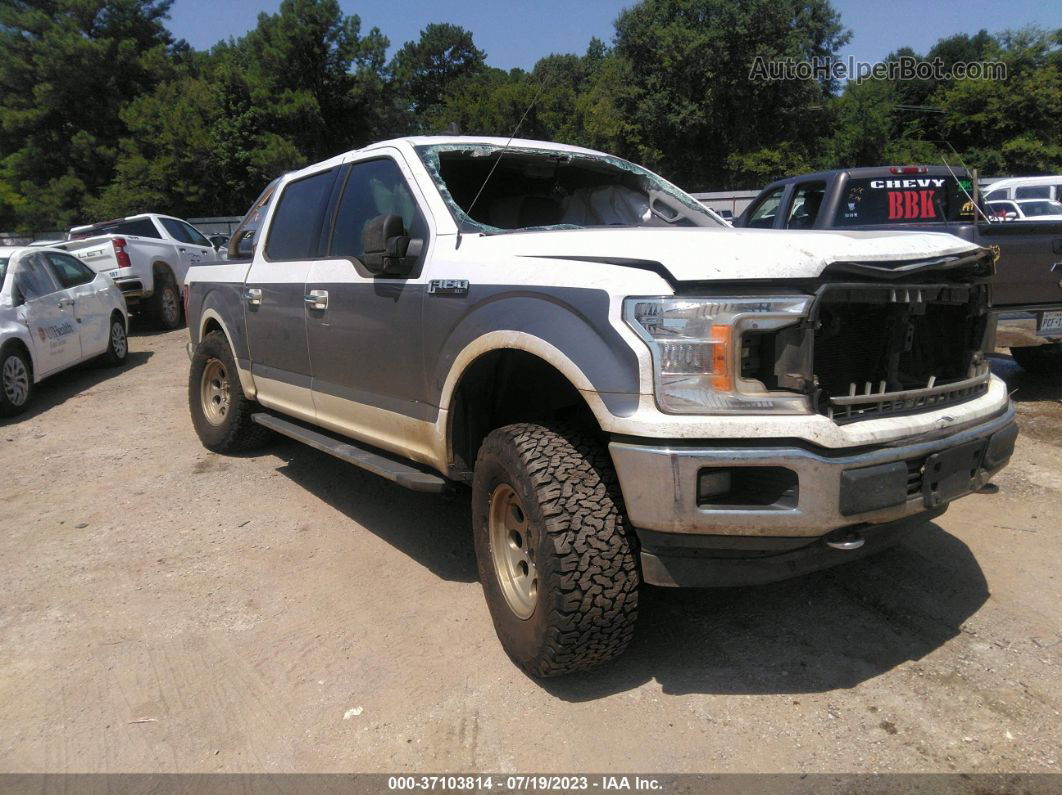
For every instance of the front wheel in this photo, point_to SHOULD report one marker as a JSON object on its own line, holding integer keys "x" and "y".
{"x": 221, "y": 412}
{"x": 553, "y": 547}
{"x": 1044, "y": 360}
{"x": 16, "y": 381}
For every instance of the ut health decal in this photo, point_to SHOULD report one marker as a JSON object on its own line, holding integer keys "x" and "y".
{"x": 910, "y": 199}
{"x": 54, "y": 332}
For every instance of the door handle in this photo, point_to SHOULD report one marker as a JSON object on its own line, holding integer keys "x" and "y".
{"x": 182, "y": 250}
{"x": 65, "y": 302}
{"x": 316, "y": 299}
{"x": 253, "y": 296}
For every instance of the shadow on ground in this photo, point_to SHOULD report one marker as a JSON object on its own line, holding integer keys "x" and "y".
{"x": 435, "y": 531}
{"x": 829, "y": 630}
{"x": 62, "y": 386}
{"x": 1038, "y": 399}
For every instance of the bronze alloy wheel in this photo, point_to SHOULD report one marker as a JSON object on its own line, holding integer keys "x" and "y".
{"x": 214, "y": 391}
{"x": 513, "y": 551}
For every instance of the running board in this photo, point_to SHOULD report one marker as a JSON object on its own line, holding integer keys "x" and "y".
{"x": 397, "y": 471}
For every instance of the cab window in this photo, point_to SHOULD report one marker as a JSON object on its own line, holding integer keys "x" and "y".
{"x": 374, "y": 187}
{"x": 69, "y": 271}
{"x": 764, "y": 213}
{"x": 1033, "y": 192}
{"x": 807, "y": 201}
{"x": 32, "y": 279}
{"x": 184, "y": 233}
{"x": 295, "y": 231}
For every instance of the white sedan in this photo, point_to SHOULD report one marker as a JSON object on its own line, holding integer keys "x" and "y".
{"x": 1026, "y": 210}
{"x": 55, "y": 312}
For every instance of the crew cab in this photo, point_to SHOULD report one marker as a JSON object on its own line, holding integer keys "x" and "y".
{"x": 55, "y": 312}
{"x": 634, "y": 391}
{"x": 1027, "y": 288}
{"x": 148, "y": 256}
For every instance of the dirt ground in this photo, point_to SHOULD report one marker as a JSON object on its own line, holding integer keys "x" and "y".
{"x": 167, "y": 609}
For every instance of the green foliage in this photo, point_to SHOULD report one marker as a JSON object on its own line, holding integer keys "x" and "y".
{"x": 102, "y": 113}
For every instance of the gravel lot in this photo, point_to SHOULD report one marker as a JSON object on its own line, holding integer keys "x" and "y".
{"x": 167, "y": 609}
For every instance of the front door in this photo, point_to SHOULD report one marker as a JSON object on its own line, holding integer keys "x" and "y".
{"x": 48, "y": 313}
{"x": 275, "y": 297}
{"x": 365, "y": 332}
{"x": 87, "y": 290}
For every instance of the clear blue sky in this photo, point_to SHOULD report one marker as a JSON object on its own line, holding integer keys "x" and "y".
{"x": 518, "y": 34}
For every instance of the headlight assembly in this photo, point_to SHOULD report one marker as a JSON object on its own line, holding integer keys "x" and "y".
{"x": 696, "y": 350}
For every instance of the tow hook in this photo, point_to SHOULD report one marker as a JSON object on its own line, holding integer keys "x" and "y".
{"x": 847, "y": 542}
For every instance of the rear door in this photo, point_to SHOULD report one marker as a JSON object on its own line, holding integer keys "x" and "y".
{"x": 88, "y": 292}
{"x": 275, "y": 293}
{"x": 192, "y": 247}
{"x": 48, "y": 313}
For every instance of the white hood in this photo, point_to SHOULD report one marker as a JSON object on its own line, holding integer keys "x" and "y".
{"x": 695, "y": 254}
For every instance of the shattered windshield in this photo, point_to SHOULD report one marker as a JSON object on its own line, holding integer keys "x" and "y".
{"x": 552, "y": 189}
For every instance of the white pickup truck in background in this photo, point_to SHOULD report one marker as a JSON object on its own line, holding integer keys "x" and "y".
{"x": 147, "y": 256}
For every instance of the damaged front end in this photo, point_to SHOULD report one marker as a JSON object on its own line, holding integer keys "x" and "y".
{"x": 883, "y": 339}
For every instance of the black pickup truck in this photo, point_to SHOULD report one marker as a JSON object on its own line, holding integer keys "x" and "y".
{"x": 1026, "y": 290}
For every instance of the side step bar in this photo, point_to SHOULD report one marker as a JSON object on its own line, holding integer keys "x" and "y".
{"x": 400, "y": 472}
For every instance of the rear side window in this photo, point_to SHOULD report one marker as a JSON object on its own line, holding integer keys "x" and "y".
{"x": 806, "y": 204}
{"x": 904, "y": 200}
{"x": 295, "y": 230}
{"x": 375, "y": 187}
{"x": 69, "y": 271}
{"x": 1033, "y": 192}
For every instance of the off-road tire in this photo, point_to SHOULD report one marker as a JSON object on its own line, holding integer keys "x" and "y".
{"x": 587, "y": 571}
{"x": 8, "y": 407}
{"x": 236, "y": 431}
{"x": 117, "y": 344}
{"x": 1043, "y": 360}
{"x": 164, "y": 306}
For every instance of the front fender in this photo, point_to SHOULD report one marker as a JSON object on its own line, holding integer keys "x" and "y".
{"x": 570, "y": 328}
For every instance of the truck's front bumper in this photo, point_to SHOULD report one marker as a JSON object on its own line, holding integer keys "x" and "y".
{"x": 698, "y": 501}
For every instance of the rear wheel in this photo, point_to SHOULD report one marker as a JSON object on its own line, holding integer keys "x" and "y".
{"x": 221, "y": 413}
{"x": 165, "y": 302}
{"x": 16, "y": 381}
{"x": 554, "y": 551}
{"x": 1041, "y": 359}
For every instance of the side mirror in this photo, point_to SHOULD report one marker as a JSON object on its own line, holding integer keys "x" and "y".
{"x": 245, "y": 245}
{"x": 1011, "y": 216}
{"x": 386, "y": 246}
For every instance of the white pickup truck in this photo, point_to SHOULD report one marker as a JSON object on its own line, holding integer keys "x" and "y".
{"x": 635, "y": 391}
{"x": 147, "y": 256}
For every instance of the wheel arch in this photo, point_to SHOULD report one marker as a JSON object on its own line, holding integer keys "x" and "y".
{"x": 507, "y": 377}
{"x": 211, "y": 320}
{"x": 16, "y": 341}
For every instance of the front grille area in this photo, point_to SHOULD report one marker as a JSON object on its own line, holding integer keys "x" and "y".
{"x": 884, "y": 351}
{"x": 881, "y": 403}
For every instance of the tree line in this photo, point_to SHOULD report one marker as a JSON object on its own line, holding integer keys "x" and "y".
{"x": 103, "y": 113}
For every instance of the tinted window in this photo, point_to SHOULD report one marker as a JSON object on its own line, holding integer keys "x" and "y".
{"x": 248, "y": 227}
{"x": 141, "y": 227}
{"x": 763, "y": 214}
{"x": 183, "y": 232}
{"x": 68, "y": 271}
{"x": 996, "y": 195}
{"x": 295, "y": 230}
{"x": 1033, "y": 192}
{"x": 898, "y": 200}
{"x": 33, "y": 280}
{"x": 1031, "y": 209}
{"x": 373, "y": 188}
{"x": 806, "y": 204}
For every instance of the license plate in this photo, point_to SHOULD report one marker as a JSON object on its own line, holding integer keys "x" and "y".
{"x": 1051, "y": 321}
{"x": 952, "y": 473}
